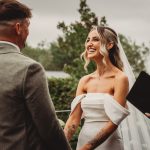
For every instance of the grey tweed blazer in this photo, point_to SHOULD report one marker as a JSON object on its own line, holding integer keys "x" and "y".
{"x": 27, "y": 116}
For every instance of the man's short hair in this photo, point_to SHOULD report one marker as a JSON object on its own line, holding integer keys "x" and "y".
{"x": 12, "y": 10}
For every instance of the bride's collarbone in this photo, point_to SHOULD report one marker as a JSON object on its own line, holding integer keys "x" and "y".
{"x": 103, "y": 78}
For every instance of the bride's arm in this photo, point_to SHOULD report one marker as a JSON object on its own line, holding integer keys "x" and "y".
{"x": 121, "y": 90}
{"x": 75, "y": 117}
{"x": 73, "y": 122}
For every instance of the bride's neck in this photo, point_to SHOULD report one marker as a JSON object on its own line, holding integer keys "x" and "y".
{"x": 103, "y": 68}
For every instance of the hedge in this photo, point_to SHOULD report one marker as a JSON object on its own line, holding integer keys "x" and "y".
{"x": 62, "y": 92}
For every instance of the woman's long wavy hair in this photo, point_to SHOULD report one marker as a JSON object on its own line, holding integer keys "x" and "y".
{"x": 106, "y": 35}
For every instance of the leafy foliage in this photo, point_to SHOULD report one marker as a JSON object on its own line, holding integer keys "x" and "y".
{"x": 136, "y": 54}
{"x": 62, "y": 93}
{"x": 64, "y": 54}
{"x": 68, "y": 48}
{"x": 42, "y": 55}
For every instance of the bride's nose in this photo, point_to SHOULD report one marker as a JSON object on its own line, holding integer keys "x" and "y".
{"x": 90, "y": 43}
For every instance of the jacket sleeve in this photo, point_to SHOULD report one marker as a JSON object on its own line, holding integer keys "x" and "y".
{"x": 41, "y": 108}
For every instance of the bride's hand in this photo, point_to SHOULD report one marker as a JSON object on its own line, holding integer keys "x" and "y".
{"x": 85, "y": 147}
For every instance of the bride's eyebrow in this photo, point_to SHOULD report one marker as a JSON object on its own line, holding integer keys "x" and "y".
{"x": 96, "y": 37}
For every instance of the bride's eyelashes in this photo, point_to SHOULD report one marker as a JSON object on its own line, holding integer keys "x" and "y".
{"x": 96, "y": 39}
{"x": 93, "y": 39}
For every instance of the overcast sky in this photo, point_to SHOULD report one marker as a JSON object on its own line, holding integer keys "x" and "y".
{"x": 129, "y": 17}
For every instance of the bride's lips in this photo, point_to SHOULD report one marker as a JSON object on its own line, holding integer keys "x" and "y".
{"x": 91, "y": 50}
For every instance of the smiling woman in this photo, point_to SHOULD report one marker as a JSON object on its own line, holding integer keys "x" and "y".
{"x": 101, "y": 99}
{"x": 108, "y": 83}
{"x": 96, "y": 41}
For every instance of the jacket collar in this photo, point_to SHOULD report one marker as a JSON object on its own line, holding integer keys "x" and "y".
{"x": 8, "y": 47}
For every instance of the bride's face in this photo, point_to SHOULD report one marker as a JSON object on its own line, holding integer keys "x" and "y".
{"x": 92, "y": 45}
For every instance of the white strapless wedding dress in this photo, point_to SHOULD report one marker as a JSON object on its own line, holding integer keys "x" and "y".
{"x": 98, "y": 109}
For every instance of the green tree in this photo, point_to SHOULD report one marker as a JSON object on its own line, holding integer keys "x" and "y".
{"x": 66, "y": 51}
{"x": 136, "y": 54}
{"x": 40, "y": 54}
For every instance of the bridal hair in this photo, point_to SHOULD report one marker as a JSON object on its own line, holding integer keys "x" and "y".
{"x": 107, "y": 35}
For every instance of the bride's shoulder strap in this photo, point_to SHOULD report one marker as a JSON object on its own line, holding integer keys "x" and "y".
{"x": 76, "y": 101}
{"x": 115, "y": 111}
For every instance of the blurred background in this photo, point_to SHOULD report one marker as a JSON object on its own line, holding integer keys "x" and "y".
{"x": 59, "y": 29}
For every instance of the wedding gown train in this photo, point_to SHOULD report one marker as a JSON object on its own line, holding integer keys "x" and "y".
{"x": 133, "y": 132}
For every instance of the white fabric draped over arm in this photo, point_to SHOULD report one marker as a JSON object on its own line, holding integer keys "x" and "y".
{"x": 114, "y": 110}
{"x": 76, "y": 101}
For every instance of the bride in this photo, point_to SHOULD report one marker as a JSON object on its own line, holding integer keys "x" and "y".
{"x": 101, "y": 99}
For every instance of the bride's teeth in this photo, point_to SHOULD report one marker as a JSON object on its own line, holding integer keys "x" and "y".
{"x": 91, "y": 50}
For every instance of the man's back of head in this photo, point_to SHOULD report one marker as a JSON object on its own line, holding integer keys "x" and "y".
{"x": 12, "y": 10}
{"x": 14, "y": 22}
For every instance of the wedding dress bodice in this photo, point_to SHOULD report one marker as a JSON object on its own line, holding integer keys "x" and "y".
{"x": 100, "y": 107}
{"x": 93, "y": 107}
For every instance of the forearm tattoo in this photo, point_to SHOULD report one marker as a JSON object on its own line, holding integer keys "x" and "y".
{"x": 70, "y": 130}
{"x": 98, "y": 139}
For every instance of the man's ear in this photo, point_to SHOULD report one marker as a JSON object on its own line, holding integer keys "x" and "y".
{"x": 110, "y": 45}
{"x": 18, "y": 28}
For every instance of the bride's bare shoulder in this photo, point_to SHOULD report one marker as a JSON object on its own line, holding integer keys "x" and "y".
{"x": 81, "y": 89}
{"x": 86, "y": 78}
{"x": 121, "y": 78}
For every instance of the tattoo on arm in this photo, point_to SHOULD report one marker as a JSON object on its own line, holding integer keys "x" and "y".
{"x": 70, "y": 130}
{"x": 97, "y": 140}
{"x": 101, "y": 136}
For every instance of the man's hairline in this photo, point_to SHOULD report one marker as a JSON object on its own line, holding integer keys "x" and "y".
{"x": 13, "y": 22}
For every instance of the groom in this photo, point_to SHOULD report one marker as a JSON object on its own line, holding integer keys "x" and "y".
{"x": 27, "y": 115}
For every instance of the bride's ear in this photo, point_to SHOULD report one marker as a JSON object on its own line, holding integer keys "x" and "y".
{"x": 110, "y": 45}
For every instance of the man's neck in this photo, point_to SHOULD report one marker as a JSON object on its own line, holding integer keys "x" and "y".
{"x": 9, "y": 42}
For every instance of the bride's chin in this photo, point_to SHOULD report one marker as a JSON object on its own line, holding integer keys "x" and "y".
{"x": 91, "y": 56}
